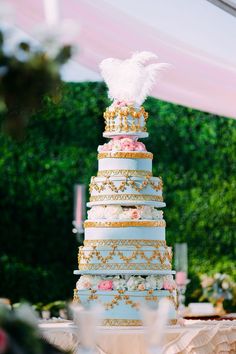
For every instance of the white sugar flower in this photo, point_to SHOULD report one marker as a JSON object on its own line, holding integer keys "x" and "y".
{"x": 116, "y": 145}
{"x": 125, "y": 215}
{"x": 113, "y": 211}
{"x": 96, "y": 212}
{"x": 119, "y": 283}
{"x": 84, "y": 282}
{"x": 151, "y": 282}
{"x": 159, "y": 282}
{"x": 157, "y": 214}
{"x": 146, "y": 212}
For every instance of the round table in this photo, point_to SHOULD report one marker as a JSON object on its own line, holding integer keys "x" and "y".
{"x": 195, "y": 337}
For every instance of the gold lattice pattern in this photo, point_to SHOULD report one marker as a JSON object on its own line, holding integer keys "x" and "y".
{"x": 130, "y": 323}
{"x": 115, "y": 243}
{"x": 126, "y": 197}
{"x": 87, "y": 255}
{"x": 138, "y": 186}
{"x": 124, "y": 266}
{"x": 138, "y": 223}
{"x": 124, "y": 173}
{"x": 122, "y": 296}
{"x": 125, "y": 155}
{"x": 125, "y": 119}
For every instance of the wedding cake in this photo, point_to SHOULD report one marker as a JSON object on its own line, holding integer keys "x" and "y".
{"x": 125, "y": 263}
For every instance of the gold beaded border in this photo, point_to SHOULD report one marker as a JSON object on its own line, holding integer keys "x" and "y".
{"x": 129, "y": 323}
{"x": 116, "y": 243}
{"x": 121, "y": 197}
{"x": 141, "y": 223}
{"x": 124, "y": 173}
{"x": 122, "y": 266}
{"x": 125, "y": 155}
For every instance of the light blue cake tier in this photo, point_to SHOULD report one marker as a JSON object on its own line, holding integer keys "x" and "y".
{"x": 125, "y": 230}
{"x": 124, "y": 257}
{"x": 121, "y": 160}
{"x": 121, "y": 308}
{"x": 122, "y": 189}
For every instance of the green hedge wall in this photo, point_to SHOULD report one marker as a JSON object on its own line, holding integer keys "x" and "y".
{"x": 194, "y": 152}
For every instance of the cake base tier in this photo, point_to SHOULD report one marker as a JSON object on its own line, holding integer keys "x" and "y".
{"x": 122, "y": 308}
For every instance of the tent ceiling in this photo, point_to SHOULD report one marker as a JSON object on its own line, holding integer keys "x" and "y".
{"x": 196, "y": 37}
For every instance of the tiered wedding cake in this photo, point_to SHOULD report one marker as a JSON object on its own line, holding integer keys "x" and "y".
{"x": 125, "y": 262}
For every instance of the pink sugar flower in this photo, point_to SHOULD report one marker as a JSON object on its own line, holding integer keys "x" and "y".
{"x": 127, "y": 145}
{"x": 105, "y": 285}
{"x": 105, "y": 147}
{"x": 169, "y": 285}
{"x": 140, "y": 146}
{"x": 135, "y": 214}
{"x": 3, "y": 341}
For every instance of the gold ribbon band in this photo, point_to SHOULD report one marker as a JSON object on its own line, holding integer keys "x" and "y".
{"x": 128, "y": 197}
{"x": 139, "y": 223}
{"x": 124, "y": 266}
{"x": 124, "y": 173}
{"x": 125, "y": 155}
{"x": 117, "y": 243}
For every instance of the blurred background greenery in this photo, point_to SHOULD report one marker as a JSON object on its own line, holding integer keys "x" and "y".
{"x": 194, "y": 152}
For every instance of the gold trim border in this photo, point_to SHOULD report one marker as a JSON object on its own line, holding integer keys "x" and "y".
{"x": 119, "y": 322}
{"x": 122, "y": 197}
{"x": 141, "y": 223}
{"x": 125, "y": 155}
{"x": 124, "y": 173}
{"x": 123, "y": 266}
{"x": 116, "y": 243}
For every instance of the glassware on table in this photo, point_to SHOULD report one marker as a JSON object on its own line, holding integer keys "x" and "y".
{"x": 79, "y": 209}
{"x": 181, "y": 278}
{"x": 155, "y": 320}
{"x": 86, "y": 320}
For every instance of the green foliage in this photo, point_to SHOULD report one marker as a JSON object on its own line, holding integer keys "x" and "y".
{"x": 194, "y": 152}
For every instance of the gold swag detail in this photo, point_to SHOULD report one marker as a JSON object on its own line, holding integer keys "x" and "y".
{"x": 142, "y": 223}
{"x": 100, "y": 186}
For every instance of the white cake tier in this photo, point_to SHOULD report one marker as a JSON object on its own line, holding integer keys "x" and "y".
{"x": 125, "y": 230}
{"x": 138, "y": 161}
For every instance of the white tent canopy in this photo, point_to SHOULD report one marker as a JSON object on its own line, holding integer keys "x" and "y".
{"x": 197, "y": 37}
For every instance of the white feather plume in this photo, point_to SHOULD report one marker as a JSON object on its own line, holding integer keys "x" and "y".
{"x": 131, "y": 80}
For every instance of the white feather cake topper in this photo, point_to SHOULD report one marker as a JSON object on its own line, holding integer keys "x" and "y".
{"x": 131, "y": 80}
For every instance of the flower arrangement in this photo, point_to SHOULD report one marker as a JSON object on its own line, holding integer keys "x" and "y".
{"x": 122, "y": 144}
{"x": 133, "y": 283}
{"x": 109, "y": 212}
{"x": 217, "y": 288}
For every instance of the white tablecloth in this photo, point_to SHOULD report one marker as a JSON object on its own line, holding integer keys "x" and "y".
{"x": 196, "y": 337}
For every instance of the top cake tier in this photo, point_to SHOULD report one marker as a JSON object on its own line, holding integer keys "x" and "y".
{"x": 125, "y": 120}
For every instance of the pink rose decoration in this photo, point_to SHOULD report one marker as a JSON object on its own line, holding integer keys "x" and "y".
{"x": 127, "y": 145}
{"x": 135, "y": 214}
{"x": 169, "y": 285}
{"x": 106, "y": 147}
{"x": 3, "y": 341}
{"x": 140, "y": 146}
{"x": 141, "y": 287}
{"x": 105, "y": 285}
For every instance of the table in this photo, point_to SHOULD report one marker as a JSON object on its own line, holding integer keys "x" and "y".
{"x": 195, "y": 337}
